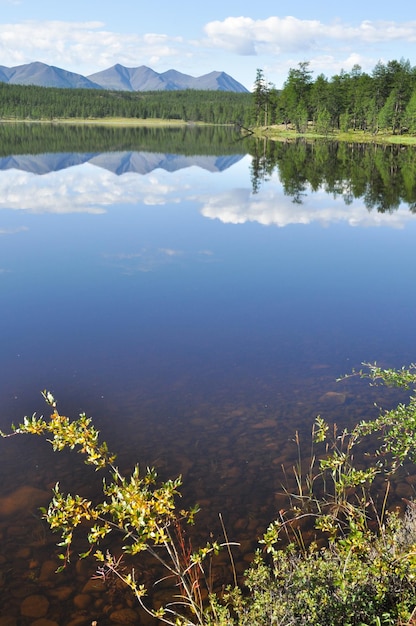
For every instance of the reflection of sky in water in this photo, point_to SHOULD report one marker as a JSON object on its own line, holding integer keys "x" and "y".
{"x": 199, "y": 324}
{"x": 140, "y": 282}
{"x": 87, "y": 188}
{"x": 274, "y": 208}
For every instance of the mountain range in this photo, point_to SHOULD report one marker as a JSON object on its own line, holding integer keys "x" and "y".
{"x": 118, "y": 78}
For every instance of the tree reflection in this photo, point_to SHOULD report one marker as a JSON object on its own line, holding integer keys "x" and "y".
{"x": 383, "y": 176}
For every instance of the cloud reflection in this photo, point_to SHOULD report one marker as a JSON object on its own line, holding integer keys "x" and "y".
{"x": 151, "y": 259}
{"x": 272, "y": 208}
{"x": 81, "y": 189}
{"x": 86, "y": 188}
{"x": 13, "y": 231}
{"x": 77, "y": 183}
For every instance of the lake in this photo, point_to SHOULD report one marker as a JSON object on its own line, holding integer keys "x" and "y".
{"x": 198, "y": 295}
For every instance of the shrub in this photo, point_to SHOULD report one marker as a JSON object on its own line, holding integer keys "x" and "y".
{"x": 144, "y": 512}
{"x": 369, "y": 583}
{"x": 362, "y": 570}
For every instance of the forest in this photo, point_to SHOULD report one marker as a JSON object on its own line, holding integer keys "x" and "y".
{"x": 381, "y": 101}
{"x": 28, "y": 102}
{"x": 384, "y": 100}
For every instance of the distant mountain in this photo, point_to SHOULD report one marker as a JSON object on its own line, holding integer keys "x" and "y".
{"x": 123, "y": 78}
{"x": 44, "y": 76}
{"x": 145, "y": 79}
{"x": 118, "y": 78}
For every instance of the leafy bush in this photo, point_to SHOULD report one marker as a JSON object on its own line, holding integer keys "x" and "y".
{"x": 143, "y": 511}
{"x": 362, "y": 571}
{"x": 371, "y": 582}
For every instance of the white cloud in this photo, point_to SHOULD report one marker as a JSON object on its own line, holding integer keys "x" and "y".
{"x": 87, "y": 47}
{"x": 275, "y": 35}
{"x": 83, "y": 47}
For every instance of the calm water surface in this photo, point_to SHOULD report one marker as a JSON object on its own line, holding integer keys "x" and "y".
{"x": 201, "y": 318}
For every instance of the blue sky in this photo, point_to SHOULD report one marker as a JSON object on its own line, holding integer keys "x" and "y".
{"x": 237, "y": 37}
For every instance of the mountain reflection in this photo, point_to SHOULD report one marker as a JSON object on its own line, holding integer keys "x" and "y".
{"x": 117, "y": 162}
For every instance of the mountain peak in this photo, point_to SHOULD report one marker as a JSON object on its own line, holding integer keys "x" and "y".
{"x": 43, "y": 75}
{"x": 143, "y": 78}
{"x": 118, "y": 78}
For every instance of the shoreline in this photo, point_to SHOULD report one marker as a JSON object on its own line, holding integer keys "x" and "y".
{"x": 272, "y": 133}
{"x": 107, "y": 121}
{"x": 280, "y": 133}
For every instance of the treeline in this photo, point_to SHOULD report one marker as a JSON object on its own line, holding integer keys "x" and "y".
{"x": 383, "y": 176}
{"x": 384, "y": 100}
{"x": 35, "y": 103}
{"x": 18, "y": 138}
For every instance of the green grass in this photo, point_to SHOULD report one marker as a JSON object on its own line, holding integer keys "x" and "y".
{"x": 280, "y": 133}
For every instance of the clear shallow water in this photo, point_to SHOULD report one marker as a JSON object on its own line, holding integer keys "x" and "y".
{"x": 199, "y": 323}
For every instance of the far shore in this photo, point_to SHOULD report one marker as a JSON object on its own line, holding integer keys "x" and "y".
{"x": 107, "y": 121}
{"x": 273, "y": 133}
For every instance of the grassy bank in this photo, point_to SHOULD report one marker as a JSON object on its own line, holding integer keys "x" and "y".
{"x": 281, "y": 133}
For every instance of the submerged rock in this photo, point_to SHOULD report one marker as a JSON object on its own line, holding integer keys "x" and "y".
{"x": 333, "y": 397}
{"x": 80, "y": 620}
{"x": 8, "y": 621}
{"x": 48, "y": 570}
{"x": 23, "y": 500}
{"x": 61, "y": 593}
{"x": 94, "y": 585}
{"x": 34, "y": 606}
{"x": 82, "y": 601}
{"x": 124, "y": 616}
